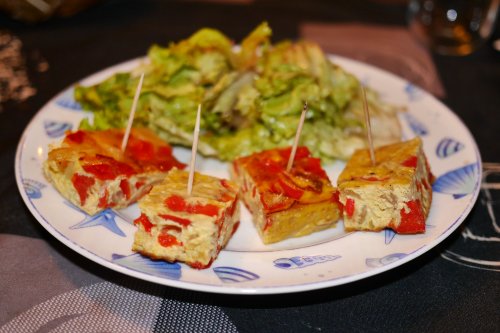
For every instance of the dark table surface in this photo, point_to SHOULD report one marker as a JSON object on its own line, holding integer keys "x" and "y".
{"x": 429, "y": 293}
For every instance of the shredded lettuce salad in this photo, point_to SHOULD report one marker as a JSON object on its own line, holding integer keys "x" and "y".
{"x": 251, "y": 97}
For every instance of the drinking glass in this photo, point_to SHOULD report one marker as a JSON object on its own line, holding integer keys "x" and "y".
{"x": 452, "y": 27}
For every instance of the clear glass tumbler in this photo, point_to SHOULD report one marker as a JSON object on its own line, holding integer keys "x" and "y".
{"x": 452, "y": 27}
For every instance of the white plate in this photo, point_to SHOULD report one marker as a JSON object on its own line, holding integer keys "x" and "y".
{"x": 246, "y": 266}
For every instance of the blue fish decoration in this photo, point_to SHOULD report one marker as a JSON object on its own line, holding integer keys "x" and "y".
{"x": 416, "y": 125}
{"x": 413, "y": 92}
{"x": 33, "y": 188}
{"x": 388, "y": 259}
{"x": 447, "y": 147}
{"x": 459, "y": 182}
{"x": 106, "y": 219}
{"x": 55, "y": 129}
{"x": 67, "y": 101}
{"x": 301, "y": 262}
{"x": 228, "y": 274}
{"x": 389, "y": 235}
{"x": 142, "y": 264}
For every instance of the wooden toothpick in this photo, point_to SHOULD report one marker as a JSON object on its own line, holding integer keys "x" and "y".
{"x": 193, "y": 151}
{"x": 132, "y": 113}
{"x": 368, "y": 127}
{"x": 297, "y": 136}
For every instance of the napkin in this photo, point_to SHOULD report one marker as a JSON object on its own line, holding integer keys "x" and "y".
{"x": 50, "y": 292}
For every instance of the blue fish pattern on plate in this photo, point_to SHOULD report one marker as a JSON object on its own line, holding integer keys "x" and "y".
{"x": 459, "y": 182}
{"x": 228, "y": 274}
{"x": 388, "y": 259}
{"x": 106, "y": 219}
{"x": 416, "y": 125}
{"x": 303, "y": 261}
{"x": 55, "y": 129}
{"x": 143, "y": 264}
{"x": 413, "y": 92}
{"x": 389, "y": 235}
{"x": 33, "y": 188}
{"x": 67, "y": 101}
{"x": 447, "y": 147}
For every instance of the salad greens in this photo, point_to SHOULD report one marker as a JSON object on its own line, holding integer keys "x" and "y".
{"x": 251, "y": 97}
